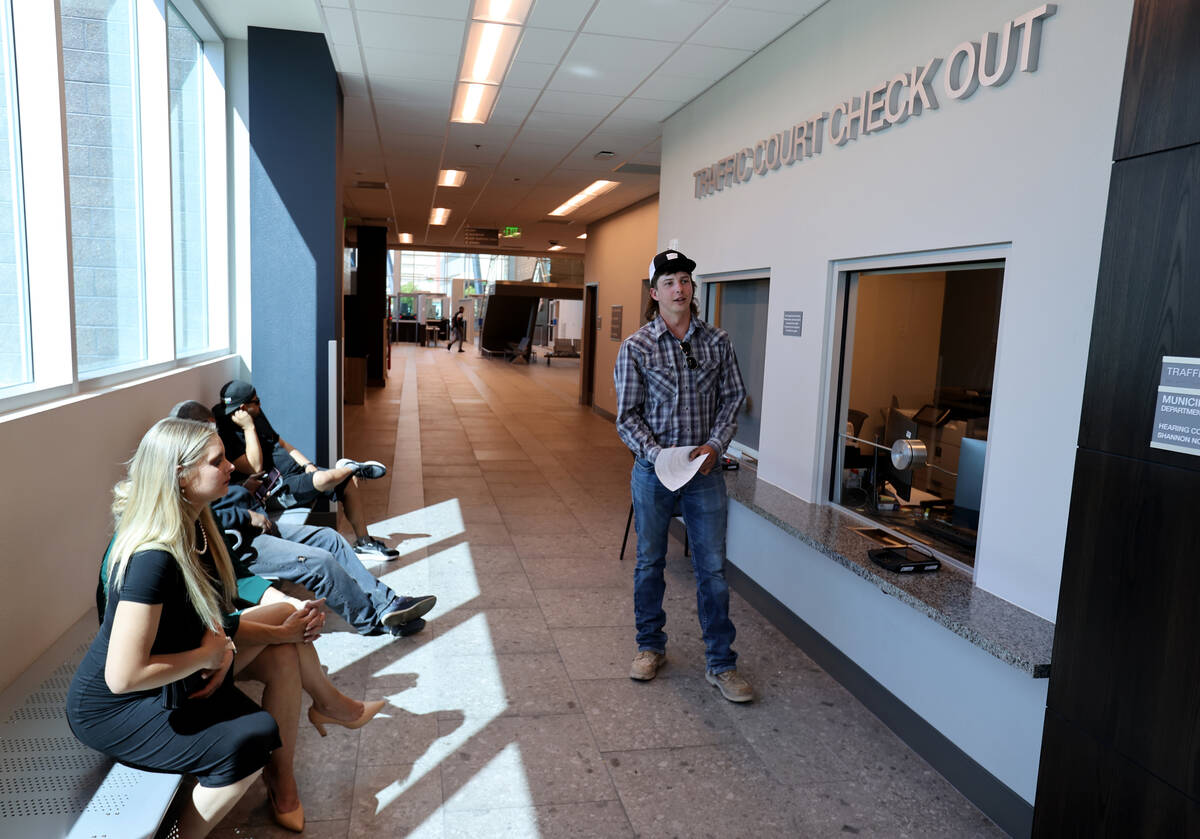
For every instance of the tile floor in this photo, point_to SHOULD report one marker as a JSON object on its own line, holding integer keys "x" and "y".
{"x": 512, "y": 714}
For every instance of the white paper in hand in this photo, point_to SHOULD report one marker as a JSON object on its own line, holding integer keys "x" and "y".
{"x": 673, "y": 467}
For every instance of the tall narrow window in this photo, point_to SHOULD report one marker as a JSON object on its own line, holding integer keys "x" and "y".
{"x": 100, "y": 78}
{"x": 185, "y": 81}
{"x": 16, "y": 363}
{"x": 740, "y": 308}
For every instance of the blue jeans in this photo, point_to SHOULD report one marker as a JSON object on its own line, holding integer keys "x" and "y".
{"x": 319, "y": 559}
{"x": 703, "y": 504}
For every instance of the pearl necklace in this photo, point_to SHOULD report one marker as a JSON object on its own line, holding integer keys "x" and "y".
{"x": 204, "y": 539}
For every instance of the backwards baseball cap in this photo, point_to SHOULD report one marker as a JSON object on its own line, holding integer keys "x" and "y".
{"x": 670, "y": 262}
{"x": 234, "y": 395}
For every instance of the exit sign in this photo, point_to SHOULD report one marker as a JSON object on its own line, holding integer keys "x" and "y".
{"x": 510, "y": 233}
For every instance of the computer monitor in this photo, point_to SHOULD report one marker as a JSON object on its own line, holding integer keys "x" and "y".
{"x": 898, "y": 427}
{"x": 968, "y": 489}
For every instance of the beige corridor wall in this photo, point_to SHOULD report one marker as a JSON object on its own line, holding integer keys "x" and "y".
{"x": 619, "y": 248}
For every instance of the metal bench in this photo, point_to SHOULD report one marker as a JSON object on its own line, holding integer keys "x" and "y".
{"x": 53, "y": 785}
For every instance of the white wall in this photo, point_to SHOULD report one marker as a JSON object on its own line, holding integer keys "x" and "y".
{"x": 62, "y": 461}
{"x": 1026, "y": 163}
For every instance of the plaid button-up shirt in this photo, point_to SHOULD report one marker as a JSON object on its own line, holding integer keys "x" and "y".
{"x": 662, "y": 403}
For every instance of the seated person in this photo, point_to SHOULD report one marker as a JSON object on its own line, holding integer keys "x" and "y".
{"x": 254, "y": 447}
{"x": 317, "y": 558}
{"x": 154, "y": 690}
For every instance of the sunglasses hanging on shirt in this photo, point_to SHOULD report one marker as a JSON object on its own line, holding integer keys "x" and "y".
{"x": 686, "y": 346}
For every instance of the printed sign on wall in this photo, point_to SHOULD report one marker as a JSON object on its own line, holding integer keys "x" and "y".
{"x": 616, "y": 323}
{"x": 1177, "y": 415}
{"x": 793, "y": 323}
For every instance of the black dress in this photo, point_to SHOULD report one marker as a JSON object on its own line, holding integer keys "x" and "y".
{"x": 219, "y": 740}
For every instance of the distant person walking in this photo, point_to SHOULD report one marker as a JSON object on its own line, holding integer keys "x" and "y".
{"x": 678, "y": 384}
{"x": 458, "y": 330}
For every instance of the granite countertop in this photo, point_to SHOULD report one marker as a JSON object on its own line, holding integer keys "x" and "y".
{"x": 1010, "y": 633}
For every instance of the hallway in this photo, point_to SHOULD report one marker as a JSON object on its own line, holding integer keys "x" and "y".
{"x": 512, "y": 714}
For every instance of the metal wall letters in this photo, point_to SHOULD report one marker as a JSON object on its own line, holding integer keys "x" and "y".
{"x": 988, "y": 62}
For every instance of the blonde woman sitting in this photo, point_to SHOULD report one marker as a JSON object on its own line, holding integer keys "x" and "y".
{"x": 152, "y": 691}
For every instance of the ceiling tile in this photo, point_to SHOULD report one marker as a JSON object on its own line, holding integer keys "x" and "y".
{"x": 655, "y": 110}
{"x": 643, "y": 129}
{"x": 590, "y": 104}
{"x": 453, "y": 9}
{"x": 417, "y": 144}
{"x": 490, "y": 133}
{"x": 339, "y": 27}
{"x": 336, "y": 4}
{"x": 406, "y": 32}
{"x": 747, "y": 29}
{"x": 356, "y": 112}
{"x": 361, "y": 141}
{"x": 417, "y": 65}
{"x": 703, "y": 62}
{"x": 512, "y": 105}
{"x": 559, "y": 14}
{"x": 575, "y": 125}
{"x": 353, "y": 84}
{"x": 411, "y": 91}
{"x": 661, "y": 20}
{"x": 796, "y": 7}
{"x": 528, "y": 74}
{"x": 543, "y": 46}
{"x": 665, "y": 86}
{"x": 405, "y": 120}
{"x": 462, "y": 154}
{"x": 346, "y": 59}
{"x": 607, "y": 65}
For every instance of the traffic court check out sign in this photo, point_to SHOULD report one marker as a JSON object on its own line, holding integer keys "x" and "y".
{"x": 988, "y": 62}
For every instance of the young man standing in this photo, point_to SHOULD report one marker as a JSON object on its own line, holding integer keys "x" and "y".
{"x": 678, "y": 384}
{"x": 457, "y": 330}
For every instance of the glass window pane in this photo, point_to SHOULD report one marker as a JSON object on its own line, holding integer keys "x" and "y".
{"x": 15, "y": 359}
{"x": 185, "y": 79}
{"x": 740, "y": 308}
{"x": 100, "y": 78}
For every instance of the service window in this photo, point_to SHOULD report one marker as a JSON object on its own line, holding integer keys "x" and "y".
{"x": 919, "y": 350}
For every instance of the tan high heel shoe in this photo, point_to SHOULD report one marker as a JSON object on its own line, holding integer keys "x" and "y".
{"x": 319, "y": 720}
{"x": 293, "y": 820}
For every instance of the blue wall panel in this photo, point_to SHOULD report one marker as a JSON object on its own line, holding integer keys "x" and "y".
{"x": 295, "y": 245}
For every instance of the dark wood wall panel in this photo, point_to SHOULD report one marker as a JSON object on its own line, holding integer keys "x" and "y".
{"x": 1160, "y": 102}
{"x": 1103, "y": 796}
{"x": 1147, "y": 300}
{"x": 1126, "y": 654}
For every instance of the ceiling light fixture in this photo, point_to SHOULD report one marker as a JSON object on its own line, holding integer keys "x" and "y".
{"x": 555, "y": 246}
{"x": 502, "y": 11}
{"x": 576, "y": 201}
{"x": 439, "y": 215}
{"x": 405, "y": 238}
{"x": 492, "y": 40}
{"x": 581, "y": 236}
{"x": 451, "y": 177}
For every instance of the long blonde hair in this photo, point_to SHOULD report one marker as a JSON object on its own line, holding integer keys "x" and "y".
{"x": 152, "y": 513}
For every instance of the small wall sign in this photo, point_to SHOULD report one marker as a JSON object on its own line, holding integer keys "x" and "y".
{"x": 1177, "y": 414}
{"x": 793, "y": 322}
{"x": 616, "y": 323}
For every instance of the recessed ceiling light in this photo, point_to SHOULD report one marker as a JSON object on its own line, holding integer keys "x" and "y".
{"x": 405, "y": 238}
{"x": 451, "y": 177}
{"x": 502, "y": 11}
{"x": 439, "y": 215}
{"x": 576, "y": 201}
{"x": 581, "y": 236}
{"x": 603, "y": 155}
{"x": 555, "y": 246}
{"x": 473, "y": 102}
